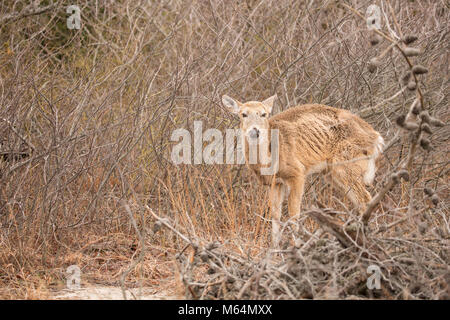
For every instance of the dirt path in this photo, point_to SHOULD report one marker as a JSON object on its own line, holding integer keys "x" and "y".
{"x": 112, "y": 293}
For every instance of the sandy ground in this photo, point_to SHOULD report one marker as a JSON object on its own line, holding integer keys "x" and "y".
{"x": 112, "y": 293}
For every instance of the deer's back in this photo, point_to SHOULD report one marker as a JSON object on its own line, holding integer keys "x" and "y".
{"x": 314, "y": 133}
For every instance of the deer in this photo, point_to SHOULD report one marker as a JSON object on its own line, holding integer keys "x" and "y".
{"x": 312, "y": 138}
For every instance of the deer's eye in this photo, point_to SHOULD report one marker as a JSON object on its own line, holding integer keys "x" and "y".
{"x": 263, "y": 114}
{"x": 244, "y": 115}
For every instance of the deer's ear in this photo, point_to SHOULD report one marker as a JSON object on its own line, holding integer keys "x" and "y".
{"x": 232, "y": 105}
{"x": 269, "y": 103}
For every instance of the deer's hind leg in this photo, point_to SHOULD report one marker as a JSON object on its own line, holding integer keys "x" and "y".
{"x": 349, "y": 177}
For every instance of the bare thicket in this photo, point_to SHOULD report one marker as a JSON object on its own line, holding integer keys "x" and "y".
{"x": 86, "y": 118}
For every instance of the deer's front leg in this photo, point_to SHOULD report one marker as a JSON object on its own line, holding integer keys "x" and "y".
{"x": 296, "y": 186}
{"x": 276, "y": 197}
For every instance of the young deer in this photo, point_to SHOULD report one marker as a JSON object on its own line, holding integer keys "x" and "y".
{"x": 311, "y": 138}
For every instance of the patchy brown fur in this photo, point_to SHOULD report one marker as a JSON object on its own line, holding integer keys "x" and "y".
{"x": 314, "y": 138}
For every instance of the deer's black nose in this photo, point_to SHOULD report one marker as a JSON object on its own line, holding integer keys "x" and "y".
{"x": 254, "y": 133}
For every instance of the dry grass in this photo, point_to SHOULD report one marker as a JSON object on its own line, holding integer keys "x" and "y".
{"x": 86, "y": 118}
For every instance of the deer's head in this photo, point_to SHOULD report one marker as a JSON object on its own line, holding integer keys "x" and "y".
{"x": 254, "y": 115}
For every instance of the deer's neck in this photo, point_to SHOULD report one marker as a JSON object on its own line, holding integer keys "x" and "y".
{"x": 259, "y": 153}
